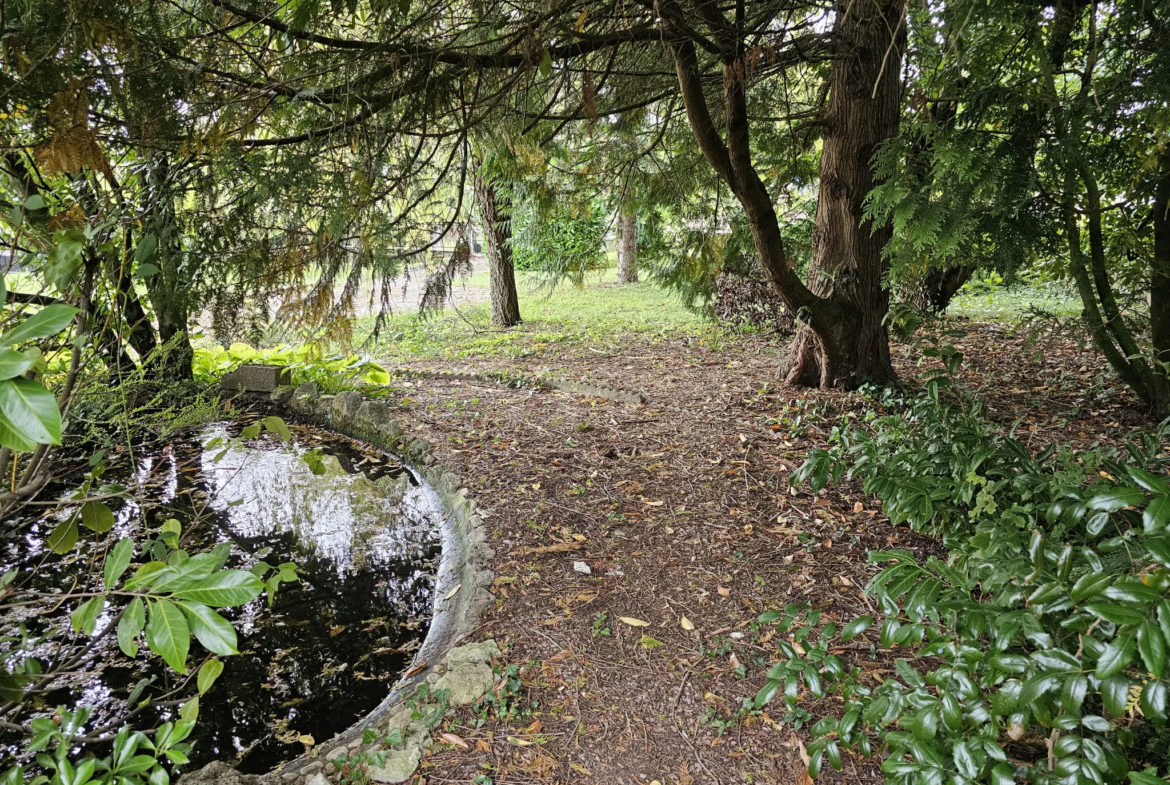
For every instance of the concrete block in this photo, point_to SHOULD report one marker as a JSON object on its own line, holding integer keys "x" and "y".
{"x": 256, "y": 378}
{"x": 346, "y": 405}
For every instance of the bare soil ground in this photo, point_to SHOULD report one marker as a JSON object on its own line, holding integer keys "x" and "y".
{"x": 681, "y": 508}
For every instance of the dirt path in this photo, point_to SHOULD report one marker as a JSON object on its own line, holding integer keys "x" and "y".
{"x": 678, "y": 508}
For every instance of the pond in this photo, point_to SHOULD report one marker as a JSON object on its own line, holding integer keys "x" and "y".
{"x": 363, "y": 532}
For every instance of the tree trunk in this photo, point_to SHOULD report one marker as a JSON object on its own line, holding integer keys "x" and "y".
{"x": 497, "y": 228}
{"x": 847, "y": 265}
{"x": 169, "y": 289}
{"x": 933, "y": 292}
{"x": 843, "y": 341}
{"x": 627, "y": 246}
{"x": 1160, "y": 294}
{"x": 141, "y": 335}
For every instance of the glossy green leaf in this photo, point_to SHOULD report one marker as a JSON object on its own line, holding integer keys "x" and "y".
{"x": 1097, "y": 724}
{"x": 964, "y": 761}
{"x": 212, "y": 630}
{"x": 30, "y": 411}
{"x": 1118, "y": 614}
{"x": 1003, "y": 774}
{"x": 1116, "y": 499}
{"x": 1152, "y": 647}
{"x": 1090, "y": 585}
{"x": 1115, "y": 657}
{"x": 1147, "y": 481}
{"x": 926, "y": 724}
{"x": 1037, "y": 686}
{"x": 224, "y": 589}
{"x": 50, "y": 320}
{"x": 117, "y": 560}
{"x": 13, "y": 363}
{"x": 1132, "y": 590}
{"x": 1156, "y": 516}
{"x": 1153, "y": 701}
{"x": 856, "y": 627}
{"x": 167, "y": 634}
{"x": 1159, "y": 548}
{"x": 952, "y": 713}
{"x": 129, "y": 626}
{"x": 766, "y": 693}
{"x": 1057, "y": 660}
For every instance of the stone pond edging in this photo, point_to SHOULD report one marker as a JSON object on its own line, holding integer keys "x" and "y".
{"x": 461, "y": 594}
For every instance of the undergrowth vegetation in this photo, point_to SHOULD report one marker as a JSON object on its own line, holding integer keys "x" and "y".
{"x": 1037, "y": 650}
{"x": 306, "y": 363}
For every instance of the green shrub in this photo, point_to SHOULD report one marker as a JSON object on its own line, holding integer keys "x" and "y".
{"x": 306, "y": 364}
{"x": 561, "y": 242}
{"x": 1037, "y": 650}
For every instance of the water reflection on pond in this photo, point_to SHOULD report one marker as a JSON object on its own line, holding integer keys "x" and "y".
{"x": 363, "y": 533}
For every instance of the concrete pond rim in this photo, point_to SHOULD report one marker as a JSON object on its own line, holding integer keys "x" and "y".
{"x": 460, "y": 592}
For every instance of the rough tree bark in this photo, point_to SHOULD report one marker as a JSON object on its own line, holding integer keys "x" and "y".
{"x": 843, "y": 341}
{"x": 627, "y": 271}
{"x": 495, "y": 210}
{"x": 141, "y": 336}
{"x": 934, "y": 291}
{"x": 1160, "y": 294}
{"x": 169, "y": 289}
{"x": 847, "y": 265}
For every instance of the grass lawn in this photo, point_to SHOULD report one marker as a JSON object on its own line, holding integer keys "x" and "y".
{"x": 979, "y": 300}
{"x": 600, "y": 313}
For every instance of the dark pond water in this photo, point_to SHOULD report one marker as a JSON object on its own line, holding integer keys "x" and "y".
{"x": 363, "y": 535}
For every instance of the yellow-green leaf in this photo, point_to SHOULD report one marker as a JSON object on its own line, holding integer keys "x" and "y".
{"x": 117, "y": 560}
{"x": 208, "y": 673}
{"x": 84, "y": 619}
{"x": 64, "y": 537}
{"x": 190, "y": 710}
{"x": 97, "y": 517}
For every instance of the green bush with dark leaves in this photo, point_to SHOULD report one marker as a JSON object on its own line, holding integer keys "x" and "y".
{"x": 1037, "y": 651}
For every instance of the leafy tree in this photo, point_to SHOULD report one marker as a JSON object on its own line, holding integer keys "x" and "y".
{"x": 399, "y": 88}
{"x": 495, "y": 211}
{"x": 1055, "y": 153}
